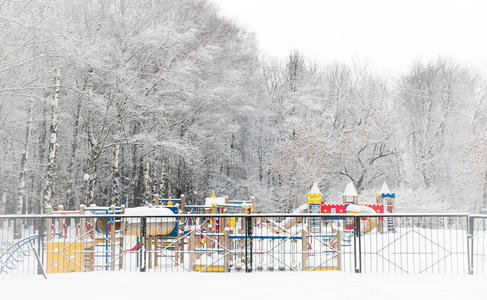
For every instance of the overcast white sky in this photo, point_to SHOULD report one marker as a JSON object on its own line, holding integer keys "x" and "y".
{"x": 387, "y": 35}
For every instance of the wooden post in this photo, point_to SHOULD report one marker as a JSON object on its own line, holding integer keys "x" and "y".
{"x": 112, "y": 240}
{"x": 82, "y": 231}
{"x": 181, "y": 207}
{"x": 213, "y": 222}
{"x": 82, "y": 223}
{"x": 191, "y": 246}
{"x": 149, "y": 250}
{"x": 179, "y": 244}
{"x": 252, "y": 210}
{"x": 230, "y": 248}
{"x": 339, "y": 250}
{"x": 156, "y": 199}
{"x": 379, "y": 201}
{"x": 61, "y": 221}
{"x": 208, "y": 240}
{"x": 181, "y": 241}
{"x": 122, "y": 240}
{"x": 226, "y": 220}
{"x": 304, "y": 246}
{"x": 49, "y": 222}
{"x": 156, "y": 249}
{"x": 226, "y": 253}
{"x": 93, "y": 223}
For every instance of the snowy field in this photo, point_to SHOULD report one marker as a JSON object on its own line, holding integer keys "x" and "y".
{"x": 289, "y": 285}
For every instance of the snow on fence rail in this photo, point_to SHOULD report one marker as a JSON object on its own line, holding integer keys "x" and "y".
{"x": 389, "y": 243}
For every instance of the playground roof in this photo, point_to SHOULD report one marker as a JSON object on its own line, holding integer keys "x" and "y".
{"x": 350, "y": 190}
{"x": 384, "y": 189}
{"x": 315, "y": 189}
{"x": 218, "y": 201}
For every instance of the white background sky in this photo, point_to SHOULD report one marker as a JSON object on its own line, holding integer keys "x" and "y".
{"x": 387, "y": 35}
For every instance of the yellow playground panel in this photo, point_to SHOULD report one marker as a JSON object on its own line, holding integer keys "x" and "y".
{"x": 65, "y": 257}
{"x": 203, "y": 268}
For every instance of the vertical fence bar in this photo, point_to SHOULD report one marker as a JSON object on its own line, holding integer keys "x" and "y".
{"x": 142, "y": 248}
{"x": 470, "y": 238}
{"x": 246, "y": 246}
{"x": 40, "y": 245}
{"x": 249, "y": 262}
{"x": 357, "y": 245}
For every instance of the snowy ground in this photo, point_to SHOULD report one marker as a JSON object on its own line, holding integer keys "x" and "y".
{"x": 292, "y": 285}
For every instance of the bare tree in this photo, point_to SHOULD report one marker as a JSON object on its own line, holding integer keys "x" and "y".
{"x": 53, "y": 145}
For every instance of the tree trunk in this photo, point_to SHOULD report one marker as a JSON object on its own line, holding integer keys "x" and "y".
{"x": 23, "y": 161}
{"x": 147, "y": 184}
{"x": 115, "y": 173}
{"x": 51, "y": 162}
{"x": 133, "y": 179}
{"x": 3, "y": 198}
{"x": 71, "y": 173}
{"x": 154, "y": 185}
{"x": 95, "y": 150}
{"x": 42, "y": 156}
{"x": 92, "y": 172}
{"x": 162, "y": 181}
{"x": 483, "y": 205}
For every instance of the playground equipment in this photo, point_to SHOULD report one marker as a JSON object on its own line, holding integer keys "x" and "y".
{"x": 389, "y": 198}
{"x": 315, "y": 228}
{"x": 163, "y": 230}
{"x": 350, "y": 205}
{"x": 171, "y": 234}
{"x": 15, "y": 254}
{"x": 102, "y": 238}
{"x": 65, "y": 253}
{"x": 218, "y": 238}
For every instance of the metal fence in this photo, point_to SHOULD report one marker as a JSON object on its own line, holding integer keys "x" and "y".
{"x": 395, "y": 243}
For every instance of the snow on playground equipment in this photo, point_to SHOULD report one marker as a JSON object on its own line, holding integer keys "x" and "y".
{"x": 102, "y": 240}
{"x": 219, "y": 244}
{"x": 216, "y": 243}
{"x": 314, "y": 231}
{"x": 77, "y": 253}
{"x": 163, "y": 235}
{"x": 162, "y": 230}
{"x": 320, "y": 249}
{"x": 350, "y": 205}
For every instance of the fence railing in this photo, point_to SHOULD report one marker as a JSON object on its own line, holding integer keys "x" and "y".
{"x": 390, "y": 243}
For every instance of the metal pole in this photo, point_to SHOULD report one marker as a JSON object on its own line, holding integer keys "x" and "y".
{"x": 249, "y": 248}
{"x": 470, "y": 237}
{"x": 143, "y": 254}
{"x": 246, "y": 247}
{"x": 40, "y": 248}
{"x": 357, "y": 245}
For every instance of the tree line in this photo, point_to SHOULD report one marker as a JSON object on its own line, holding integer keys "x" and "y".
{"x": 107, "y": 102}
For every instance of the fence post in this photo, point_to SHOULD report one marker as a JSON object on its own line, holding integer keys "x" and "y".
{"x": 470, "y": 237}
{"x": 248, "y": 246}
{"x": 143, "y": 253}
{"x": 251, "y": 246}
{"x": 40, "y": 248}
{"x": 357, "y": 245}
{"x": 245, "y": 244}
